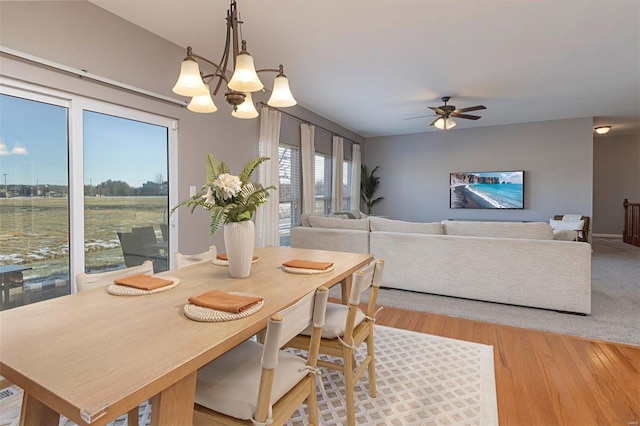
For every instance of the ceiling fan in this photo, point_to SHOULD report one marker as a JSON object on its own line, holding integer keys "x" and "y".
{"x": 444, "y": 120}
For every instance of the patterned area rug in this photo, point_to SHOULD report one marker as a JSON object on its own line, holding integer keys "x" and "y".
{"x": 421, "y": 380}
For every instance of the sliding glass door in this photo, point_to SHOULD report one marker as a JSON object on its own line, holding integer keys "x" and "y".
{"x": 34, "y": 199}
{"x": 84, "y": 186}
{"x": 126, "y": 192}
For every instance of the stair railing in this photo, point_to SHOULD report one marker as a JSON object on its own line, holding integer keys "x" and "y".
{"x": 631, "y": 233}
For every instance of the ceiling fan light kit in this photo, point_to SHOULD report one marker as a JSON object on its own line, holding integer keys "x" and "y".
{"x": 445, "y": 114}
{"x": 602, "y": 130}
{"x": 443, "y": 124}
{"x": 192, "y": 82}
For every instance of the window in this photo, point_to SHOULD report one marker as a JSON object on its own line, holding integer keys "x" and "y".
{"x": 289, "y": 191}
{"x": 322, "y": 184}
{"x": 86, "y": 172}
{"x": 346, "y": 185}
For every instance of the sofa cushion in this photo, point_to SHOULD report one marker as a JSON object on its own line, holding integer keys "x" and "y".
{"x": 336, "y": 222}
{"x": 390, "y": 225}
{"x": 526, "y": 230}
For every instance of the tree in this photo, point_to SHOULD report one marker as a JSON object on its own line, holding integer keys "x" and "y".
{"x": 368, "y": 186}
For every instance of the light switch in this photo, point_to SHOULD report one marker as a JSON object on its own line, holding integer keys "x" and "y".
{"x": 192, "y": 191}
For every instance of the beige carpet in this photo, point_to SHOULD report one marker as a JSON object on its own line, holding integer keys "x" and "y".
{"x": 421, "y": 380}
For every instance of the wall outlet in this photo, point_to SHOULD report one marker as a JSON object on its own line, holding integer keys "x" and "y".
{"x": 192, "y": 191}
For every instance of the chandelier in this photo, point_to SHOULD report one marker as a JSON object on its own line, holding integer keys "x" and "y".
{"x": 192, "y": 82}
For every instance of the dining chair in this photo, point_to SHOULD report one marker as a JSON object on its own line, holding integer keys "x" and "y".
{"x": 85, "y": 281}
{"x": 262, "y": 384}
{"x": 190, "y": 259}
{"x": 88, "y": 281}
{"x": 346, "y": 328}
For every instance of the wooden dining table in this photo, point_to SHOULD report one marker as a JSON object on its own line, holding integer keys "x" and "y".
{"x": 93, "y": 356}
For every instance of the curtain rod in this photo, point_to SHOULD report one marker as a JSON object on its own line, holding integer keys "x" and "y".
{"x": 88, "y": 75}
{"x": 307, "y": 122}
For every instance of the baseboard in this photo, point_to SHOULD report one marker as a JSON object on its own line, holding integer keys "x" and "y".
{"x": 619, "y": 236}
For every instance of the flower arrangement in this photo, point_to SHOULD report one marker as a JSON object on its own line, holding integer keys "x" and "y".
{"x": 229, "y": 198}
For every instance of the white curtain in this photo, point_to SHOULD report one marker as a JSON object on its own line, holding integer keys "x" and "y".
{"x": 337, "y": 161}
{"x": 308, "y": 154}
{"x": 356, "y": 161}
{"x": 268, "y": 174}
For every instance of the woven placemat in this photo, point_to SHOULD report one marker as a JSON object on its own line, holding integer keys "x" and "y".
{"x": 305, "y": 271}
{"x": 123, "y": 290}
{"x": 221, "y": 262}
{"x": 200, "y": 313}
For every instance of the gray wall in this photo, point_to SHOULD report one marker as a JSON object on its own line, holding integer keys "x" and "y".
{"x": 616, "y": 176}
{"x": 557, "y": 158}
{"x": 81, "y": 35}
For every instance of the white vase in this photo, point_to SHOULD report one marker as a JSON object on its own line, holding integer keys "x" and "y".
{"x": 239, "y": 239}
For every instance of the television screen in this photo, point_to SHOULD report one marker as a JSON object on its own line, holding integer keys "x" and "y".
{"x": 486, "y": 190}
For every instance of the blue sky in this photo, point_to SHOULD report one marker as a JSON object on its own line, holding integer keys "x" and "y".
{"x": 114, "y": 148}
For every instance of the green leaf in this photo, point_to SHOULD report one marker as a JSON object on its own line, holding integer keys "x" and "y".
{"x": 245, "y": 215}
{"x": 215, "y": 168}
{"x": 250, "y": 167}
{"x": 218, "y": 217}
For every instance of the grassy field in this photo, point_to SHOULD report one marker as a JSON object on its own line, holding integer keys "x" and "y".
{"x": 34, "y": 232}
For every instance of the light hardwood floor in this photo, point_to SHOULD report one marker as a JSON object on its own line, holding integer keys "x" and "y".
{"x": 545, "y": 378}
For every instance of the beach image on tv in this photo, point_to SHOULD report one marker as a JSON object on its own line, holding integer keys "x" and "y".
{"x": 487, "y": 190}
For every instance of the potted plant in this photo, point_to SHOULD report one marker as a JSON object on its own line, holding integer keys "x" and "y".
{"x": 231, "y": 201}
{"x": 369, "y": 183}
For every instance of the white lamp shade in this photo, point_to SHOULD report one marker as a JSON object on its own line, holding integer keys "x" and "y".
{"x": 246, "y": 109}
{"x": 602, "y": 130}
{"x": 443, "y": 124}
{"x": 190, "y": 82}
{"x": 202, "y": 103}
{"x": 281, "y": 95}
{"x": 3, "y": 149}
{"x": 244, "y": 78}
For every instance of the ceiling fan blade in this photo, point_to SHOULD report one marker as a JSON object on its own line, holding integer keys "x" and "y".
{"x": 438, "y": 110}
{"x": 434, "y": 121}
{"x": 473, "y": 108}
{"x": 467, "y": 116}
{"x": 420, "y": 116}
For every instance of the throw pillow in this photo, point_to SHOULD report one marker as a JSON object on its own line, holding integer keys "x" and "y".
{"x": 304, "y": 219}
{"x": 344, "y": 215}
{"x": 569, "y": 225}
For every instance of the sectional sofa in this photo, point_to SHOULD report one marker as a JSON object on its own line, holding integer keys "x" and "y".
{"x": 516, "y": 263}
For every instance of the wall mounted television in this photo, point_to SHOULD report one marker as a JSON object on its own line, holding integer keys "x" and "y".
{"x": 487, "y": 190}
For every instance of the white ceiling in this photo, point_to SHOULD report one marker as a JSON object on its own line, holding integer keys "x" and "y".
{"x": 369, "y": 64}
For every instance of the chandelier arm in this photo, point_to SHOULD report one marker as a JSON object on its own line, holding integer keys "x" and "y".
{"x": 280, "y": 70}
{"x": 218, "y": 72}
{"x": 224, "y": 61}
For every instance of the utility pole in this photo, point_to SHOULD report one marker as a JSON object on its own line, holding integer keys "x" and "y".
{"x": 6, "y": 193}
{"x": 36, "y": 187}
